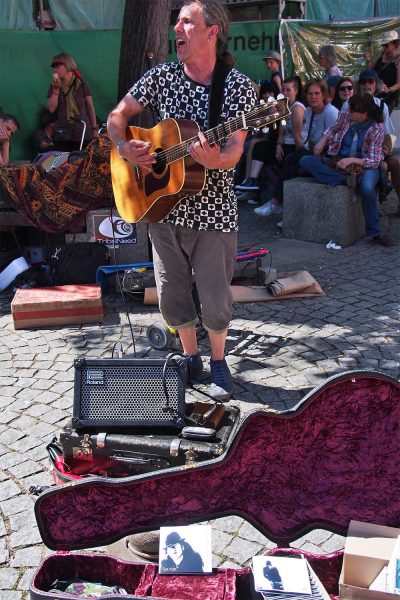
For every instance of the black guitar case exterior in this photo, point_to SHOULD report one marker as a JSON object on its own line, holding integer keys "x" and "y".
{"x": 332, "y": 458}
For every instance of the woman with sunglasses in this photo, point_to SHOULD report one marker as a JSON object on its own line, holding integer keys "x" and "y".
{"x": 69, "y": 96}
{"x": 387, "y": 65}
{"x": 343, "y": 93}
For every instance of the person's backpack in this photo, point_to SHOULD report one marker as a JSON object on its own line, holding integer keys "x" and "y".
{"x": 76, "y": 263}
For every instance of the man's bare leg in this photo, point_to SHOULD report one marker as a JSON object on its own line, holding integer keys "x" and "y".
{"x": 188, "y": 339}
{"x": 217, "y": 341}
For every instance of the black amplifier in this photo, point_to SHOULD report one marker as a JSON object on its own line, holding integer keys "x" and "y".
{"x": 115, "y": 393}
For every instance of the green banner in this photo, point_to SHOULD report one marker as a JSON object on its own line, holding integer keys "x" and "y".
{"x": 26, "y": 74}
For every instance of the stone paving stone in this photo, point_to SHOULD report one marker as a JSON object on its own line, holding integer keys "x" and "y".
{"x": 10, "y": 435}
{"x": 62, "y": 387}
{"x": 6, "y": 416}
{"x": 43, "y": 374}
{"x": 22, "y": 519}
{"x": 4, "y": 553}
{"x": 16, "y": 505}
{"x": 8, "y": 578}
{"x": 64, "y": 403}
{"x": 42, "y": 384}
{"x": 242, "y": 551}
{"x": 24, "y": 444}
{"x": 229, "y": 524}
{"x": 43, "y": 430}
{"x": 54, "y": 416}
{"x": 43, "y": 478}
{"x": 11, "y": 595}
{"x": 26, "y": 468}
{"x": 27, "y": 557}
{"x": 26, "y": 579}
{"x": 39, "y": 454}
{"x": 24, "y": 423}
{"x": 250, "y": 533}
{"x": 36, "y": 410}
{"x": 63, "y": 376}
{"x": 3, "y": 530}
{"x": 27, "y": 394}
{"x": 333, "y": 543}
{"x": 7, "y": 396}
{"x": 220, "y": 540}
{"x": 26, "y": 537}
{"x": 20, "y": 404}
{"x": 11, "y": 458}
{"x": 9, "y": 489}
{"x": 8, "y": 381}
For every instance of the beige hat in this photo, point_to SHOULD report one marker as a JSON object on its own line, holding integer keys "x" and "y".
{"x": 274, "y": 55}
{"x": 388, "y": 36}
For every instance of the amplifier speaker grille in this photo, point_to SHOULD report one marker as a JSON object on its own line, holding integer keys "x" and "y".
{"x": 128, "y": 393}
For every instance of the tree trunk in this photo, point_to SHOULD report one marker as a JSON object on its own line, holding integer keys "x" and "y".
{"x": 144, "y": 42}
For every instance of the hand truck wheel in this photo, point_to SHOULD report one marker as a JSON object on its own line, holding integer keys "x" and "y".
{"x": 159, "y": 337}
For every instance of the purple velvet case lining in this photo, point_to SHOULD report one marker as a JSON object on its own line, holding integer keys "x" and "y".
{"x": 332, "y": 458}
{"x": 142, "y": 580}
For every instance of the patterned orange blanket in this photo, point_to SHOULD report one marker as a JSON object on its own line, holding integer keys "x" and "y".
{"x": 55, "y": 201}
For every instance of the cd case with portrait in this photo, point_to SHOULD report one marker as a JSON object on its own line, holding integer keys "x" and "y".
{"x": 281, "y": 575}
{"x": 185, "y": 549}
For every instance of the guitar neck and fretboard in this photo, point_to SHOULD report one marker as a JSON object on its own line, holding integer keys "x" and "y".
{"x": 149, "y": 196}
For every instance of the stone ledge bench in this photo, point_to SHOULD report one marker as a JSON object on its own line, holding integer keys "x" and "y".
{"x": 315, "y": 212}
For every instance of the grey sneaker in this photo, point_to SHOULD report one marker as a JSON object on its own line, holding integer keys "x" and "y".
{"x": 268, "y": 209}
{"x": 221, "y": 387}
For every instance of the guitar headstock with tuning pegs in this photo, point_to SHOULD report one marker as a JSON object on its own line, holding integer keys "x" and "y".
{"x": 267, "y": 112}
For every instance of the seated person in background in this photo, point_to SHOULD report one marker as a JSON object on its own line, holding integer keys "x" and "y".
{"x": 70, "y": 98}
{"x": 368, "y": 84}
{"x": 319, "y": 116}
{"x": 8, "y": 126}
{"x": 332, "y": 83}
{"x": 268, "y": 89}
{"x": 273, "y": 62}
{"x": 287, "y": 139}
{"x": 356, "y": 142}
{"x": 327, "y": 60}
{"x": 387, "y": 65}
{"x": 42, "y": 139}
{"x": 344, "y": 90}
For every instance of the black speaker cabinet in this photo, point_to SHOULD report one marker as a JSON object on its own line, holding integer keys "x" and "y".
{"x": 123, "y": 393}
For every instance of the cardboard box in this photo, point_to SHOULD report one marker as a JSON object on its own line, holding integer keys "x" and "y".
{"x": 129, "y": 241}
{"x": 60, "y": 305}
{"x": 368, "y": 549}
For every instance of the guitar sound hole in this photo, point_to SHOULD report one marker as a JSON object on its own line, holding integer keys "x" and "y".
{"x": 160, "y": 165}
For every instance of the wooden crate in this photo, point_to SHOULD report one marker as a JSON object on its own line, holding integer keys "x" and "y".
{"x": 60, "y": 305}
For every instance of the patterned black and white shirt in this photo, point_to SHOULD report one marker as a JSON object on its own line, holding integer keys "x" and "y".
{"x": 171, "y": 94}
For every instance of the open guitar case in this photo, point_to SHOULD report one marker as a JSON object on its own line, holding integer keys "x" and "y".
{"x": 334, "y": 457}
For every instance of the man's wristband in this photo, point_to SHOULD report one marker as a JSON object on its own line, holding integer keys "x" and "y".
{"x": 118, "y": 145}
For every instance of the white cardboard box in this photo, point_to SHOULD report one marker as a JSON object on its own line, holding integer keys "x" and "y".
{"x": 368, "y": 549}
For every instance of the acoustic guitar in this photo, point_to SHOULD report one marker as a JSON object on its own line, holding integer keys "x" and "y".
{"x": 146, "y": 196}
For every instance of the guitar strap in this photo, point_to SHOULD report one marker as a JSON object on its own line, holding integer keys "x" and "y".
{"x": 216, "y": 94}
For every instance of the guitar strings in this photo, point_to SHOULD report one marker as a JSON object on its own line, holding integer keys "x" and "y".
{"x": 175, "y": 153}
{"x": 178, "y": 151}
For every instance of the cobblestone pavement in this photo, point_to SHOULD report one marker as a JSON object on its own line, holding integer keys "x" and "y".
{"x": 291, "y": 346}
